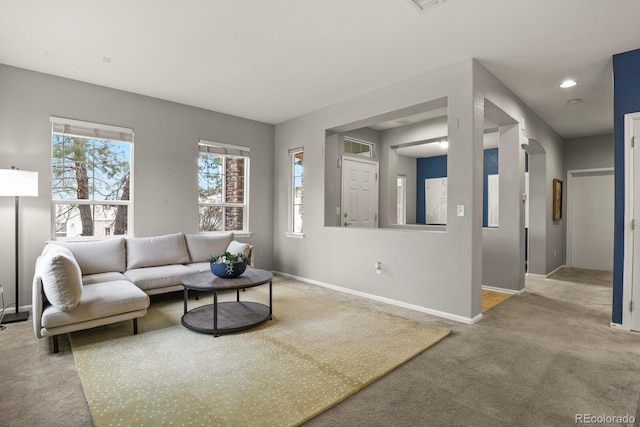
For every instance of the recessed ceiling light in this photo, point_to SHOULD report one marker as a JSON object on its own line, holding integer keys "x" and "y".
{"x": 427, "y": 4}
{"x": 574, "y": 101}
{"x": 568, "y": 83}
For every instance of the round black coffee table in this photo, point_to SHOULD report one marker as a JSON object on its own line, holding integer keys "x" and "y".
{"x": 229, "y": 316}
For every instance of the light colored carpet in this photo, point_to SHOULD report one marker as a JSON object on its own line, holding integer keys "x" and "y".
{"x": 315, "y": 352}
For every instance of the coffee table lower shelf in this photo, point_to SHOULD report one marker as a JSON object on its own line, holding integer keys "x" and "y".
{"x": 232, "y": 316}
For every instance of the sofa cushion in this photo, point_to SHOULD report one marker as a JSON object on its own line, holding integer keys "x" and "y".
{"x": 239, "y": 248}
{"x": 99, "y": 256}
{"x": 202, "y": 246}
{"x": 61, "y": 277}
{"x": 200, "y": 266}
{"x": 150, "y": 278}
{"x": 154, "y": 251}
{"x": 98, "y": 300}
{"x": 112, "y": 276}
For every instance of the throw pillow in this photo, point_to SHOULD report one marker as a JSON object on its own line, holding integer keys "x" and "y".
{"x": 239, "y": 248}
{"x": 61, "y": 277}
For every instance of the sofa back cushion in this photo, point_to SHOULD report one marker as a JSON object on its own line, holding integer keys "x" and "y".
{"x": 202, "y": 246}
{"x": 102, "y": 256}
{"x": 158, "y": 250}
{"x": 61, "y": 277}
{"x": 239, "y": 248}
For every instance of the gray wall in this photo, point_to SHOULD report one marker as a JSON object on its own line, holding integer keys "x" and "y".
{"x": 438, "y": 271}
{"x": 589, "y": 152}
{"x": 165, "y": 150}
{"x": 547, "y": 243}
{"x": 409, "y": 167}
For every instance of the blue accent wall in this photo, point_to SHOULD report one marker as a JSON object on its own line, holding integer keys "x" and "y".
{"x": 490, "y": 168}
{"x": 427, "y": 167}
{"x": 626, "y": 99}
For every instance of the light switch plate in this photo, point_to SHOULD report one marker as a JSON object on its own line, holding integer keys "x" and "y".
{"x": 460, "y": 210}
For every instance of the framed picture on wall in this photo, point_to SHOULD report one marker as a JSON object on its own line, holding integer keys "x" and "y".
{"x": 557, "y": 200}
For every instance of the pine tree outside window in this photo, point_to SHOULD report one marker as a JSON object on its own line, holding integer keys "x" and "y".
{"x": 92, "y": 189}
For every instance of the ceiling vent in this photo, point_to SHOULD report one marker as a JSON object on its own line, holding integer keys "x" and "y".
{"x": 425, "y": 5}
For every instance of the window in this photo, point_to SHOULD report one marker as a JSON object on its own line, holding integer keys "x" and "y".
{"x": 92, "y": 191}
{"x": 297, "y": 189}
{"x": 223, "y": 172}
{"x": 356, "y": 146}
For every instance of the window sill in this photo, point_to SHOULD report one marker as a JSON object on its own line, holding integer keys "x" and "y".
{"x": 294, "y": 235}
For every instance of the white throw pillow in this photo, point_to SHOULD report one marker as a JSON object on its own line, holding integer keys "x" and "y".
{"x": 61, "y": 277}
{"x": 202, "y": 246}
{"x": 239, "y": 248}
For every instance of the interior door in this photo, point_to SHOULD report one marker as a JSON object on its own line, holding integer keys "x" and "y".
{"x": 359, "y": 193}
{"x": 635, "y": 289}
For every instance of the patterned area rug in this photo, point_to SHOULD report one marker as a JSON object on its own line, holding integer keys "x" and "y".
{"x": 317, "y": 351}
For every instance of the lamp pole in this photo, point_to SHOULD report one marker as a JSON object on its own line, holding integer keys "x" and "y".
{"x": 16, "y": 183}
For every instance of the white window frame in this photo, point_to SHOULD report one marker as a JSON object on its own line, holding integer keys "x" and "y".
{"x": 103, "y": 132}
{"x": 292, "y": 196}
{"x": 401, "y": 202}
{"x": 233, "y": 151}
{"x": 352, "y": 140}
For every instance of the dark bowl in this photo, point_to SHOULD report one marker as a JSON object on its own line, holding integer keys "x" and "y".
{"x": 220, "y": 270}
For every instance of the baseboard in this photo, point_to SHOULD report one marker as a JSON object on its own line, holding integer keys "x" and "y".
{"x": 502, "y": 290}
{"x": 11, "y": 310}
{"x": 443, "y": 314}
{"x": 616, "y": 326}
{"x": 544, "y": 276}
{"x": 556, "y": 270}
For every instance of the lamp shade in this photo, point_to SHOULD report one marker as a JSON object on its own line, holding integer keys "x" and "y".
{"x": 15, "y": 182}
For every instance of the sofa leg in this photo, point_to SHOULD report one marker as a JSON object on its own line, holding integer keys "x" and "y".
{"x": 135, "y": 326}
{"x": 56, "y": 349}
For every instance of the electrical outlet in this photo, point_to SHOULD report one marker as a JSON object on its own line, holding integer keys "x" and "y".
{"x": 1, "y": 289}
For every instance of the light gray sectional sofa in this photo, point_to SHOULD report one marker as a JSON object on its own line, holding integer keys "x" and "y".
{"x": 81, "y": 285}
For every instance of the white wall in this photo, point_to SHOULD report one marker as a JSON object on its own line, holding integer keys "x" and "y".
{"x": 166, "y": 139}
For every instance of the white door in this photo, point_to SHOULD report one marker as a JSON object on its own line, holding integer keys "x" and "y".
{"x": 591, "y": 219}
{"x": 359, "y": 193}
{"x": 635, "y": 289}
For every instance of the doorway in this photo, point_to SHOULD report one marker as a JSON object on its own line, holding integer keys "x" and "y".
{"x": 590, "y": 215}
{"x": 631, "y": 273}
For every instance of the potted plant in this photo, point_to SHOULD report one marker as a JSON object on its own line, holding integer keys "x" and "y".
{"x": 228, "y": 265}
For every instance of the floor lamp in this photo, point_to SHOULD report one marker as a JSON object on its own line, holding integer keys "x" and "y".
{"x": 17, "y": 183}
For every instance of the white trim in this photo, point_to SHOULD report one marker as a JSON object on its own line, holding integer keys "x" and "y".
{"x": 544, "y": 276}
{"x": 616, "y": 325}
{"x": 90, "y": 125}
{"x": 627, "y": 273}
{"x": 445, "y": 315}
{"x": 555, "y": 271}
{"x": 502, "y": 290}
{"x": 570, "y": 174}
{"x": 223, "y": 145}
{"x": 292, "y": 235}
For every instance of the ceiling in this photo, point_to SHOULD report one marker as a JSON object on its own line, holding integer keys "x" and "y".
{"x": 275, "y": 60}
